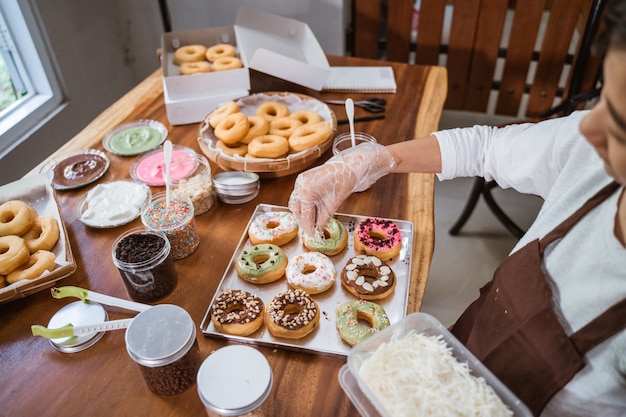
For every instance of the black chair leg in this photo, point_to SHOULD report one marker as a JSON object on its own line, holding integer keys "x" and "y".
{"x": 497, "y": 211}
{"x": 477, "y": 190}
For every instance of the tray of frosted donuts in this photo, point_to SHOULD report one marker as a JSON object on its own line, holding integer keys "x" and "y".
{"x": 34, "y": 247}
{"x": 321, "y": 295}
{"x": 272, "y": 134}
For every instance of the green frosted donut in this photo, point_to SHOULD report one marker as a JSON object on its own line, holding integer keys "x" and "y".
{"x": 261, "y": 263}
{"x": 333, "y": 241}
{"x": 348, "y": 315}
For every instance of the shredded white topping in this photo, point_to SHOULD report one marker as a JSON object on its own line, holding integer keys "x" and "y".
{"x": 418, "y": 375}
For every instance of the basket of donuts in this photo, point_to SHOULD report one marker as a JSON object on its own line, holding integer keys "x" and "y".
{"x": 313, "y": 294}
{"x": 34, "y": 248}
{"x": 272, "y": 134}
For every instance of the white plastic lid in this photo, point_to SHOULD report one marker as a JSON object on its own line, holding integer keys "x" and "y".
{"x": 78, "y": 313}
{"x": 234, "y": 380}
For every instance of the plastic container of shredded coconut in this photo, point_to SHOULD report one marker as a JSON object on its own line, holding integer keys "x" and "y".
{"x": 434, "y": 339}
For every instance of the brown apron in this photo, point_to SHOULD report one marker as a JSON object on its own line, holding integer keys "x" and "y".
{"x": 514, "y": 331}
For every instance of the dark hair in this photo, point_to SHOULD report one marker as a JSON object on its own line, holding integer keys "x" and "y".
{"x": 613, "y": 32}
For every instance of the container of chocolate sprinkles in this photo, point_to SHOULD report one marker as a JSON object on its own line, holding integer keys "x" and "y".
{"x": 146, "y": 264}
{"x": 176, "y": 220}
{"x": 162, "y": 342}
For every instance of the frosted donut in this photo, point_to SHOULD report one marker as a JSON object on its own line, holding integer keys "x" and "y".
{"x": 312, "y": 272}
{"x": 190, "y": 68}
{"x": 292, "y": 314}
{"x": 349, "y": 315}
{"x": 13, "y": 253}
{"x": 261, "y": 264}
{"x": 237, "y": 312}
{"x": 309, "y": 135}
{"x": 240, "y": 149}
{"x": 43, "y": 235}
{"x": 379, "y": 237}
{"x": 268, "y": 146}
{"x": 284, "y": 126}
{"x": 276, "y": 227}
{"x": 218, "y": 51}
{"x": 37, "y": 264}
{"x": 16, "y": 217}
{"x": 271, "y": 110}
{"x": 189, "y": 53}
{"x": 227, "y": 63}
{"x": 258, "y": 127}
{"x": 368, "y": 277}
{"x": 306, "y": 116}
{"x": 333, "y": 240}
{"x": 232, "y": 129}
{"x": 223, "y": 112}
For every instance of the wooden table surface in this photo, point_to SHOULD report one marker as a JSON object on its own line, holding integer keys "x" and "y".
{"x": 36, "y": 380}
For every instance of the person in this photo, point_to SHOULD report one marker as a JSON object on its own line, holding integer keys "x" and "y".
{"x": 551, "y": 323}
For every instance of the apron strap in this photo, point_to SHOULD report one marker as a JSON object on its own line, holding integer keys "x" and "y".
{"x": 601, "y": 328}
{"x": 568, "y": 223}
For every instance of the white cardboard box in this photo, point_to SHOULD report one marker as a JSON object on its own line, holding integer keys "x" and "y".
{"x": 279, "y": 46}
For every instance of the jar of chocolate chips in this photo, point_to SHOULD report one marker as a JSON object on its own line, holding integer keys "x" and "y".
{"x": 162, "y": 342}
{"x": 146, "y": 264}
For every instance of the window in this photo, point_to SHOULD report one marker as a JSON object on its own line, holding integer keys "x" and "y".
{"x": 28, "y": 76}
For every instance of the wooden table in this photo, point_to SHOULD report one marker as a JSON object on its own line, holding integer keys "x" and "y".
{"x": 102, "y": 380}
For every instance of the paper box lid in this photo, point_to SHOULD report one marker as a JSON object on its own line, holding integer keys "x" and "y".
{"x": 281, "y": 47}
{"x": 194, "y": 110}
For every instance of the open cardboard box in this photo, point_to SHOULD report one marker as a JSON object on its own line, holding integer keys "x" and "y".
{"x": 275, "y": 45}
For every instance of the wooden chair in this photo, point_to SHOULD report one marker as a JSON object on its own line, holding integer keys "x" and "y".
{"x": 527, "y": 59}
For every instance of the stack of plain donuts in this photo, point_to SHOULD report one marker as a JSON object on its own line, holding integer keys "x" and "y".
{"x": 26, "y": 242}
{"x": 272, "y": 132}
{"x": 197, "y": 59}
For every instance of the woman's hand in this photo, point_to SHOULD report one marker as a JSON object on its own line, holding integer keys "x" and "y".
{"x": 319, "y": 191}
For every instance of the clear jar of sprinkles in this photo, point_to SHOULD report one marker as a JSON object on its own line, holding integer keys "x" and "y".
{"x": 177, "y": 221}
{"x": 162, "y": 341}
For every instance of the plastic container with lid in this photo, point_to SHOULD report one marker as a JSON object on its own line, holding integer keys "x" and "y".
{"x": 344, "y": 141}
{"x": 177, "y": 221}
{"x": 197, "y": 185}
{"x": 145, "y": 262}
{"x": 235, "y": 187}
{"x": 162, "y": 341}
{"x": 236, "y": 380}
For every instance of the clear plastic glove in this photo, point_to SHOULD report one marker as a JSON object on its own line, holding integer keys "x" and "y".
{"x": 319, "y": 191}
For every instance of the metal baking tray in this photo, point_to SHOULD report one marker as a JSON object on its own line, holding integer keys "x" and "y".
{"x": 325, "y": 339}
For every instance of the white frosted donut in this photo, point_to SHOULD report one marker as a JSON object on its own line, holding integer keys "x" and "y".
{"x": 312, "y": 272}
{"x": 277, "y": 227}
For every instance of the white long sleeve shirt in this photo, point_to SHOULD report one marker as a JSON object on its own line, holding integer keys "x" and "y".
{"x": 587, "y": 268}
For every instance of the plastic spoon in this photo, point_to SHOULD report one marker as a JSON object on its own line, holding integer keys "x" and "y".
{"x": 69, "y": 330}
{"x": 86, "y": 295}
{"x": 350, "y": 115}
{"x": 167, "y": 153}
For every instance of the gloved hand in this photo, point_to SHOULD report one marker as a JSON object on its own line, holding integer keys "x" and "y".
{"x": 319, "y": 191}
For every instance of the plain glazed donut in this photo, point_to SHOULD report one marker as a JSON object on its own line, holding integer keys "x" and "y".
{"x": 368, "y": 278}
{"x": 309, "y": 135}
{"x": 312, "y": 272}
{"x": 191, "y": 68}
{"x": 268, "y": 146}
{"x": 271, "y": 110}
{"x": 223, "y": 112}
{"x": 43, "y": 235}
{"x": 261, "y": 264}
{"x": 292, "y": 314}
{"x": 379, "y": 237}
{"x": 240, "y": 149}
{"x": 333, "y": 240}
{"x": 37, "y": 264}
{"x": 13, "y": 253}
{"x": 275, "y": 227}
{"x": 218, "y": 51}
{"x": 284, "y": 126}
{"x": 306, "y": 116}
{"x": 16, "y": 217}
{"x": 258, "y": 127}
{"x": 189, "y": 53}
{"x": 237, "y": 312}
{"x": 232, "y": 129}
{"x": 348, "y": 316}
{"x": 227, "y": 63}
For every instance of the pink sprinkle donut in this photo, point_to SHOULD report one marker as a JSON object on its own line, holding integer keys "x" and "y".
{"x": 378, "y": 237}
{"x": 312, "y": 272}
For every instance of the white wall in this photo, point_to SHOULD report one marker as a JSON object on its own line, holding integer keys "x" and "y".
{"x": 104, "y": 48}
